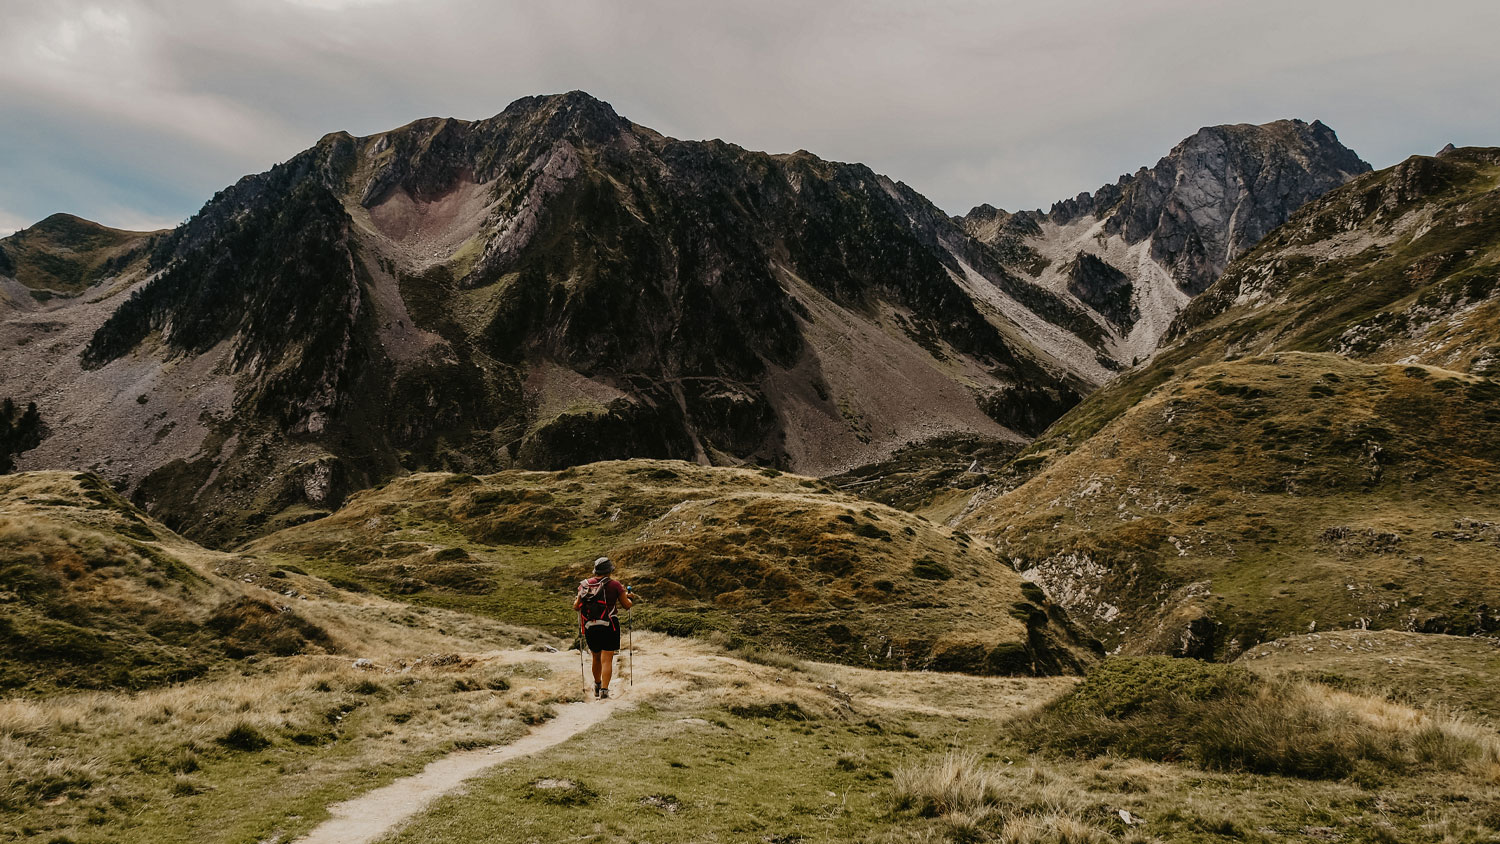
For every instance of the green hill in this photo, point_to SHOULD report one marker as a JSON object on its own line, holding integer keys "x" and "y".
{"x": 1252, "y": 499}
{"x": 757, "y": 556}
{"x": 94, "y": 594}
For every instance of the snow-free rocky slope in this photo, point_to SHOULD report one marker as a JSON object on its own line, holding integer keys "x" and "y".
{"x": 547, "y": 287}
{"x": 1135, "y": 253}
{"x": 1316, "y": 448}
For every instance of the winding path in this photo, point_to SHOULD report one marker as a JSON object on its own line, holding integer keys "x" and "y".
{"x": 375, "y": 814}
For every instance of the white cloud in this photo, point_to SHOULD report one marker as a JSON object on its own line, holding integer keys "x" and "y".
{"x": 11, "y": 223}
{"x": 1014, "y": 103}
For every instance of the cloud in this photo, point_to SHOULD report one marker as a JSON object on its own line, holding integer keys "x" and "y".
{"x": 151, "y": 105}
{"x": 11, "y": 223}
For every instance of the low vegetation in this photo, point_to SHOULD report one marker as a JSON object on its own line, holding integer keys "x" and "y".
{"x": 63, "y": 255}
{"x": 20, "y": 430}
{"x": 1254, "y": 499}
{"x": 764, "y": 558}
{"x": 98, "y": 596}
{"x": 244, "y": 757}
{"x": 1423, "y": 670}
{"x": 1157, "y": 749}
{"x": 1220, "y": 717}
{"x": 932, "y": 477}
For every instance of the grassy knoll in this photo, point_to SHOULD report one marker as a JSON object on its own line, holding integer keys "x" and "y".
{"x": 755, "y": 555}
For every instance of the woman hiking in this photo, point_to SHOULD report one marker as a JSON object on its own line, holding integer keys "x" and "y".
{"x": 598, "y": 601}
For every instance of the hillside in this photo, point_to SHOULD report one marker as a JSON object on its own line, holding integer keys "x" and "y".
{"x": 94, "y": 594}
{"x": 97, "y": 595}
{"x": 759, "y": 557}
{"x": 1134, "y": 253}
{"x": 63, "y": 255}
{"x": 1252, "y": 499}
{"x": 547, "y": 287}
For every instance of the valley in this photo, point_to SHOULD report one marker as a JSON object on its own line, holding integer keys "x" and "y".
{"x": 1171, "y": 513}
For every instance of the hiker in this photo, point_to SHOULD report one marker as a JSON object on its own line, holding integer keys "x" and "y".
{"x": 598, "y": 600}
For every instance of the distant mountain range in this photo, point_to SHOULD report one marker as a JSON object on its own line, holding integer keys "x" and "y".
{"x": 556, "y": 285}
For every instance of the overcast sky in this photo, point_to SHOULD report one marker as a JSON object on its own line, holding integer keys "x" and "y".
{"x": 133, "y": 112}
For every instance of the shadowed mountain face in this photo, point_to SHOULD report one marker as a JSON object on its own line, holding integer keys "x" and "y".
{"x": 1171, "y": 229}
{"x": 547, "y": 287}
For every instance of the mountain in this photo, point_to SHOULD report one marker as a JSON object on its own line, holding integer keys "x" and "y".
{"x": 1314, "y": 449}
{"x": 547, "y": 287}
{"x": 1136, "y": 252}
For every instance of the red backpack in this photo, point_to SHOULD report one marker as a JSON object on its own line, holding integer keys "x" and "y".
{"x": 593, "y": 597}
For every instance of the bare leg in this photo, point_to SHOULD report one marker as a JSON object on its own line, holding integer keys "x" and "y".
{"x": 609, "y": 665}
{"x": 597, "y": 660}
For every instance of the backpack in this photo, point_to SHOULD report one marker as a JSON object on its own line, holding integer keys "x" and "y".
{"x": 594, "y": 597}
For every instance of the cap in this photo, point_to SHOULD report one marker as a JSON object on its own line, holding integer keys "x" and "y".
{"x": 603, "y": 566}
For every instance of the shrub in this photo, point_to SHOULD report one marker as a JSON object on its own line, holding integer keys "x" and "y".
{"x": 930, "y": 569}
{"x": 956, "y": 783}
{"x": 244, "y": 737}
{"x": 249, "y": 626}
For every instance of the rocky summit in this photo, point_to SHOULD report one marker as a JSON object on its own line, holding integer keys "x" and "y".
{"x": 1134, "y": 253}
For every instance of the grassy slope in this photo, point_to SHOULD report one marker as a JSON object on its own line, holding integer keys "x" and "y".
{"x": 931, "y": 477}
{"x": 162, "y": 692}
{"x": 1422, "y": 668}
{"x": 258, "y": 748}
{"x": 1251, "y": 499}
{"x": 760, "y": 556}
{"x": 94, "y": 594}
{"x": 65, "y": 254}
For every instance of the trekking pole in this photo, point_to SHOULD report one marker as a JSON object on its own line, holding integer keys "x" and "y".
{"x": 630, "y": 636}
{"x": 582, "y": 672}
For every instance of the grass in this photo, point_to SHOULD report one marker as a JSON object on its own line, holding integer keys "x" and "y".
{"x": 931, "y": 477}
{"x": 1254, "y": 499}
{"x": 100, "y": 596}
{"x": 251, "y": 756}
{"x": 1221, "y": 717}
{"x": 65, "y": 254}
{"x": 710, "y": 759}
{"x": 775, "y": 561}
{"x": 1424, "y": 670}
{"x": 906, "y": 757}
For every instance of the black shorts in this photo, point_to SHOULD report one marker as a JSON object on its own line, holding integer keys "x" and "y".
{"x": 602, "y": 638}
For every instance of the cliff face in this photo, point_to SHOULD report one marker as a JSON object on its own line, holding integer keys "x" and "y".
{"x": 1171, "y": 229}
{"x": 550, "y": 286}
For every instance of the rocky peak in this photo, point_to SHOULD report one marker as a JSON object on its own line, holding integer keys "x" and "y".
{"x": 1134, "y": 252}
{"x": 1223, "y": 189}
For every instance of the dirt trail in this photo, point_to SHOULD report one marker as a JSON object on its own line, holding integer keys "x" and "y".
{"x": 375, "y": 814}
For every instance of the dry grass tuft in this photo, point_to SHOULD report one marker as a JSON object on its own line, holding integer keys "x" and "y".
{"x": 973, "y": 803}
{"x": 1224, "y": 718}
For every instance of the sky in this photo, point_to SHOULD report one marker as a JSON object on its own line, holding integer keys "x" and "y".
{"x": 134, "y": 112}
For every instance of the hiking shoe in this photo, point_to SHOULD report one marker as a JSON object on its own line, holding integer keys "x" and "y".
{"x": 603, "y": 693}
{"x": 597, "y": 687}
